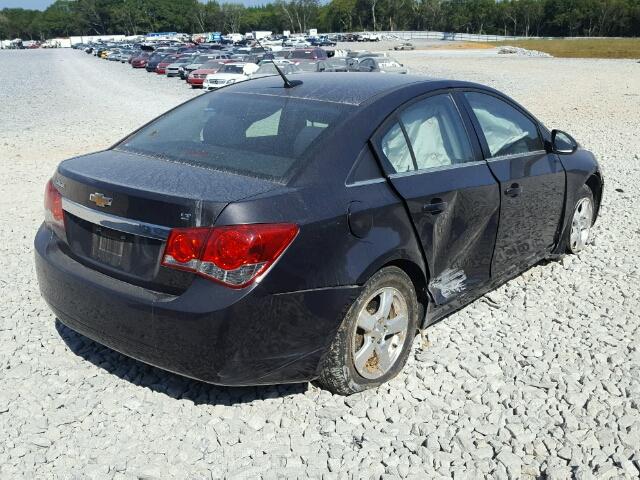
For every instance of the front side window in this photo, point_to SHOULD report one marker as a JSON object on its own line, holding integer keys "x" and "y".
{"x": 436, "y": 133}
{"x": 506, "y": 130}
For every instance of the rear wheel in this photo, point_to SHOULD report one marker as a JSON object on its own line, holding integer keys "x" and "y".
{"x": 582, "y": 221}
{"x": 375, "y": 338}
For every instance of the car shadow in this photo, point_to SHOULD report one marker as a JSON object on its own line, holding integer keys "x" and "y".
{"x": 170, "y": 384}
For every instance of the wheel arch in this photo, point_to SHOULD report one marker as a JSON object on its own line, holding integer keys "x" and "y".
{"x": 417, "y": 277}
{"x": 594, "y": 182}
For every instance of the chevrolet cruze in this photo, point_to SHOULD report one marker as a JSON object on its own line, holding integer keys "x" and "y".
{"x": 277, "y": 231}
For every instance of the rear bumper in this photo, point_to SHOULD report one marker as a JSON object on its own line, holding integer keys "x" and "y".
{"x": 210, "y": 333}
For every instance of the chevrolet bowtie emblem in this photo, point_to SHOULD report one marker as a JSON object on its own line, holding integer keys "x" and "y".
{"x": 100, "y": 200}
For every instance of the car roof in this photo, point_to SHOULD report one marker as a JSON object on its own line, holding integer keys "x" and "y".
{"x": 341, "y": 87}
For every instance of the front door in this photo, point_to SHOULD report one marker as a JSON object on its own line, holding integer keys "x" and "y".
{"x": 532, "y": 182}
{"x": 451, "y": 195}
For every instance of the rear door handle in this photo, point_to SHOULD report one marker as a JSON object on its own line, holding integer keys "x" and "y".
{"x": 513, "y": 191}
{"x": 436, "y": 206}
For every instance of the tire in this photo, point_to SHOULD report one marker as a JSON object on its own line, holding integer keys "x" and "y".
{"x": 340, "y": 372}
{"x": 581, "y": 221}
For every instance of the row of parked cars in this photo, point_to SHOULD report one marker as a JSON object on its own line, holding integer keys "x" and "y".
{"x": 211, "y": 66}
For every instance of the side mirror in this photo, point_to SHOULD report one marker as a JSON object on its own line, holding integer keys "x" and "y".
{"x": 562, "y": 142}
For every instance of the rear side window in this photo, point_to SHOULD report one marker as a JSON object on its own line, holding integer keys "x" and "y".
{"x": 395, "y": 148}
{"x": 365, "y": 168}
{"x": 255, "y": 135}
{"x": 506, "y": 130}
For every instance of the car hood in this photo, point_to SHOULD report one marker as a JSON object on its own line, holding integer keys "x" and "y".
{"x": 204, "y": 71}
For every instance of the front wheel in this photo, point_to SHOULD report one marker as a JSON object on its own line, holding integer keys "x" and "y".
{"x": 373, "y": 343}
{"x": 582, "y": 221}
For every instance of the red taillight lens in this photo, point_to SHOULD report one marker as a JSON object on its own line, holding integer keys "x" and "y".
{"x": 53, "y": 214}
{"x": 233, "y": 255}
{"x": 184, "y": 246}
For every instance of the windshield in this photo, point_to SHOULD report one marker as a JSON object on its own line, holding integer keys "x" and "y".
{"x": 254, "y": 135}
{"x": 210, "y": 65}
{"x": 200, "y": 59}
{"x": 231, "y": 69}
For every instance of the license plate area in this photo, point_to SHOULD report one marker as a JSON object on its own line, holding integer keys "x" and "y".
{"x": 111, "y": 247}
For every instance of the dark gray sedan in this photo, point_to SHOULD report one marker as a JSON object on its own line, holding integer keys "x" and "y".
{"x": 276, "y": 231}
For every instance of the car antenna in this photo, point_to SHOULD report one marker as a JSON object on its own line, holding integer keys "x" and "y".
{"x": 287, "y": 83}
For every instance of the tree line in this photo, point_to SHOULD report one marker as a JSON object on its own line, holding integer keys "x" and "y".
{"x": 506, "y": 17}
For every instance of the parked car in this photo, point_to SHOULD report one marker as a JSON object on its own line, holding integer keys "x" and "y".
{"x": 262, "y": 234}
{"x": 307, "y": 54}
{"x": 404, "y": 46}
{"x": 113, "y": 55}
{"x": 199, "y": 60}
{"x": 161, "y": 68}
{"x": 197, "y": 77}
{"x": 228, "y": 74}
{"x": 173, "y": 69}
{"x": 380, "y": 64}
{"x": 322, "y": 42}
{"x": 140, "y": 61}
{"x": 295, "y": 42}
{"x": 368, "y": 37}
{"x": 154, "y": 60}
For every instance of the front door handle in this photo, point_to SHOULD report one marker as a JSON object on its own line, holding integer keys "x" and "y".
{"x": 436, "y": 207}
{"x": 513, "y": 191}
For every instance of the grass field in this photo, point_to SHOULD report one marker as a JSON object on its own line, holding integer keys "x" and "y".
{"x": 595, "y": 48}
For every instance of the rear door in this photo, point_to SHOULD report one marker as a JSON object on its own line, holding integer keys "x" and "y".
{"x": 436, "y": 166}
{"x": 532, "y": 181}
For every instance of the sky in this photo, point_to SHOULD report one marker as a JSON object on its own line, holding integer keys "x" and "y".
{"x": 42, "y": 4}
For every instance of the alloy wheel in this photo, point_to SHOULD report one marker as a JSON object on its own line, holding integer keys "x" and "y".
{"x": 381, "y": 330}
{"x": 581, "y": 224}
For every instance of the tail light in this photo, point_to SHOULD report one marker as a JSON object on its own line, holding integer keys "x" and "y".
{"x": 235, "y": 255}
{"x": 53, "y": 214}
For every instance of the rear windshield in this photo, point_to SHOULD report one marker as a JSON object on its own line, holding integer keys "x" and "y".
{"x": 308, "y": 66}
{"x": 255, "y": 135}
{"x": 309, "y": 54}
{"x": 268, "y": 68}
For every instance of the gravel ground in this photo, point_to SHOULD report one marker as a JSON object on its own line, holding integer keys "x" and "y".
{"x": 539, "y": 379}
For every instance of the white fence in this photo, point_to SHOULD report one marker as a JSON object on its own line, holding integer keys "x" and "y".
{"x": 432, "y": 35}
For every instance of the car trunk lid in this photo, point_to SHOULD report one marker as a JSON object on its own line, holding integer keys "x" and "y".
{"x": 120, "y": 206}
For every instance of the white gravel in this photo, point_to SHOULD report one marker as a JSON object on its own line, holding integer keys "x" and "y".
{"x": 539, "y": 379}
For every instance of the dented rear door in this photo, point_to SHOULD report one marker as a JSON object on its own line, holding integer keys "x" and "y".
{"x": 452, "y": 197}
